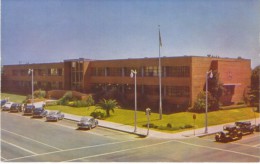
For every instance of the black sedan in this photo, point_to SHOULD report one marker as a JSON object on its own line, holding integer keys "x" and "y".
{"x": 28, "y": 110}
{"x": 87, "y": 123}
{"x": 39, "y": 112}
{"x": 229, "y": 133}
{"x": 54, "y": 116}
{"x": 245, "y": 127}
{"x": 16, "y": 107}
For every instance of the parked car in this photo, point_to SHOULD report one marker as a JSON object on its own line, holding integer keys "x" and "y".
{"x": 3, "y": 102}
{"x": 229, "y": 133}
{"x": 87, "y": 123}
{"x": 245, "y": 127}
{"x": 7, "y": 106}
{"x": 28, "y": 110}
{"x": 54, "y": 116}
{"x": 257, "y": 127}
{"x": 16, "y": 107}
{"x": 39, "y": 112}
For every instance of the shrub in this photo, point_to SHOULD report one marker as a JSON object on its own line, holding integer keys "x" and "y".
{"x": 151, "y": 125}
{"x": 90, "y": 101}
{"x": 39, "y": 94}
{"x": 200, "y": 104}
{"x": 187, "y": 126}
{"x": 98, "y": 114}
{"x": 66, "y": 98}
{"x": 169, "y": 125}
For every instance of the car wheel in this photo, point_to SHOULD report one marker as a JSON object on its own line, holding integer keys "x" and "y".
{"x": 217, "y": 139}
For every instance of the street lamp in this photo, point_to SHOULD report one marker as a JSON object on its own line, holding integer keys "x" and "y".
{"x": 30, "y": 71}
{"x": 148, "y": 112}
{"x": 133, "y": 74}
{"x": 209, "y": 74}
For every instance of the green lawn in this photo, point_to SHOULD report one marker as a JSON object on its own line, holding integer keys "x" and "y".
{"x": 13, "y": 97}
{"x": 178, "y": 120}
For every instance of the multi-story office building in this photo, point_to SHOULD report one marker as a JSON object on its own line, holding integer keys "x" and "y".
{"x": 183, "y": 78}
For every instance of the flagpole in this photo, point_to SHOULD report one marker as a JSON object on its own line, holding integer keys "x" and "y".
{"x": 160, "y": 76}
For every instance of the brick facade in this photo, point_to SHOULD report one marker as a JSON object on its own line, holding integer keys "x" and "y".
{"x": 182, "y": 79}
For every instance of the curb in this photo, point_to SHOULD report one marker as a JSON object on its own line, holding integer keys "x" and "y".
{"x": 140, "y": 135}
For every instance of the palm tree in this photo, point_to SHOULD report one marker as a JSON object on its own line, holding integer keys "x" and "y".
{"x": 107, "y": 105}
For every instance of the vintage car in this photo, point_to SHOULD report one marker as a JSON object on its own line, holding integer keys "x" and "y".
{"x": 257, "y": 127}
{"x": 39, "y": 112}
{"x": 16, "y": 107}
{"x": 229, "y": 133}
{"x": 87, "y": 123}
{"x": 54, "y": 116}
{"x": 245, "y": 127}
{"x": 3, "y": 102}
{"x": 28, "y": 110}
{"x": 7, "y": 106}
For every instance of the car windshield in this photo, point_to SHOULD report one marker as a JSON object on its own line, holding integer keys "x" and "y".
{"x": 29, "y": 107}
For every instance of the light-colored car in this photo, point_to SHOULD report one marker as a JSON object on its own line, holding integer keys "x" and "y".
{"x": 54, "y": 116}
{"x": 87, "y": 123}
{"x": 7, "y": 106}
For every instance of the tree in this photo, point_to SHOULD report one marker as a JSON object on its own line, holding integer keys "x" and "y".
{"x": 215, "y": 88}
{"x": 200, "y": 104}
{"x": 107, "y": 105}
{"x": 253, "y": 94}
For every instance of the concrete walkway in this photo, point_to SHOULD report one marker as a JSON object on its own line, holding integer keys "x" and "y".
{"x": 157, "y": 134}
{"x": 153, "y": 133}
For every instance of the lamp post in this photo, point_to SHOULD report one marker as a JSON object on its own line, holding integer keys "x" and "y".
{"x": 30, "y": 71}
{"x": 133, "y": 74}
{"x": 148, "y": 112}
{"x": 209, "y": 74}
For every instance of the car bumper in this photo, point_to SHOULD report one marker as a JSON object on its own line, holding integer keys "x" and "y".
{"x": 84, "y": 126}
{"x": 27, "y": 114}
{"x": 51, "y": 118}
{"x": 36, "y": 115}
{"x": 14, "y": 111}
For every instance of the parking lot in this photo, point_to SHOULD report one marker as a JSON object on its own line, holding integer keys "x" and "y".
{"x": 24, "y": 139}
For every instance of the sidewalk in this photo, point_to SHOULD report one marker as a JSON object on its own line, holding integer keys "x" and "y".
{"x": 157, "y": 134}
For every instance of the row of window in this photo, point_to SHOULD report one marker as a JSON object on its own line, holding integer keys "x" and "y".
{"x": 38, "y": 84}
{"x": 150, "y": 71}
{"x": 39, "y": 72}
{"x": 171, "y": 91}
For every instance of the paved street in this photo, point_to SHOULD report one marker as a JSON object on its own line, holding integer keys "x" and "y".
{"x": 24, "y": 139}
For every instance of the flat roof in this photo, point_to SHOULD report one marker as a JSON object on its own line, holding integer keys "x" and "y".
{"x": 151, "y": 58}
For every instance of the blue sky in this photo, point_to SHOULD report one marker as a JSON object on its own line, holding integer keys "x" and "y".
{"x": 39, "y": 31}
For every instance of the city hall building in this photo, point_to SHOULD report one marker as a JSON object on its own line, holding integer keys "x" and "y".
{"x": 182, "y": 79}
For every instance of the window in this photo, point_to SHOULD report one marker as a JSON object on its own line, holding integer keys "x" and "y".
{"x": 60, "y": 72}
{"x": 151, "y": 71}
{"x": 178, "y": 91}
{"x": 98, "y": 71}
{"x": 177, "y": 71}
{"x": 114, "y": 71}
{"x": 23, "y": 72}
{"x": 151, "y": 89}
{"x": 54, "y": 71}
{"x": 15, "y": 72}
